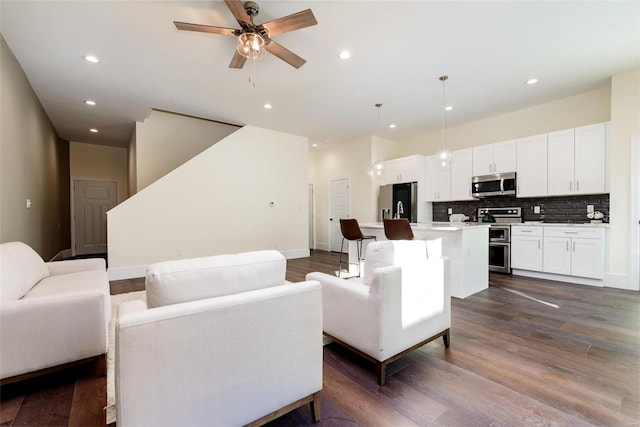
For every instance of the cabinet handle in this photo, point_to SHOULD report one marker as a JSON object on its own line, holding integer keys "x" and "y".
{"x": 538, "y": 243}
{"x": 526, "y": 231}
{"x": 567, "y": 246}
{"x": 577, "y": 185}
{"x": 570, "y": 185}
{"x": 574, "y": 246}
{"x": 518, "y": 188}
{"x": 570, "y": 232}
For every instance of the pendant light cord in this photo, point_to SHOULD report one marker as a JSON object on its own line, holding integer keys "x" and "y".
{"x": 444, "y": 106}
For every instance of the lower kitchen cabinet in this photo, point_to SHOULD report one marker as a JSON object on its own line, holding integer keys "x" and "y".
{"x": 526, "y": 247}
{"x": 574, "y": 251}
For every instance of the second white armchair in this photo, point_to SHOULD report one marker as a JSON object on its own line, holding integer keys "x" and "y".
{"x": 402, "y": 302}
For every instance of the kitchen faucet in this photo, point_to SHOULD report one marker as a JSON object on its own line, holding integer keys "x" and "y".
{"x": 399, "y": 209}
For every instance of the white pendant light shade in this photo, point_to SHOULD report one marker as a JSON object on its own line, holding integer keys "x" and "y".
{"x": 444, "y": 155}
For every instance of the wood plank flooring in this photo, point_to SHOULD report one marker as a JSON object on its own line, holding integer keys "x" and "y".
{"x": 523, "y": 352}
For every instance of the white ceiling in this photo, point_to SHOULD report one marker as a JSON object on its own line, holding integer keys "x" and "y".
{"x": 399, "y": 48}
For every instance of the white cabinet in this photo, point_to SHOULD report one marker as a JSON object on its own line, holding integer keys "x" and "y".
{"x": 575, "y": 251}
{"x": 560, "y": 162}
{"x": 590, "y": 159}
{"x": 494, "y": 158}
{"x": 438, "y": 181}
{"x": 526, "y": 247}
{"x": 577, "y": 161}
{"x": 461, "y": 168}
{"x": 403, "y": 169}
{"x": 531, "y": 166}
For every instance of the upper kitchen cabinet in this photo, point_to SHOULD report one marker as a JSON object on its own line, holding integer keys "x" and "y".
{"x": 577, "y": 160}
{"x": 531, "y": 166}
{"x": 438, "y": 180}
{"x": 403, "y": 169}
{"x": 461, "y": 173}
{"x": 499, "y": 157}
{"x": 590, "y": 159}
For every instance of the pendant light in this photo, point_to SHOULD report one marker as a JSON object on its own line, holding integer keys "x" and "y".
{"x": 444, "y": 155}
{"x": 377, "y": 167}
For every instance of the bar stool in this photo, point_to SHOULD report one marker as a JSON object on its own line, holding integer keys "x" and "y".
{"x": 351, "y": 231}
{"x": 397, "y": 229}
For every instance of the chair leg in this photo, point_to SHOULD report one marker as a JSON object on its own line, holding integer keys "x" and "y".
{"x": 359, "y": 246}
{"x": 447, "y": 339}
{"x": 315, "y": 407}
{"x": 381, "y": 373}
{"x": 340, "y": 258}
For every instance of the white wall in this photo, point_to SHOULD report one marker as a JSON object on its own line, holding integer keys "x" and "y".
{"x": 34, "y": 165}
{"x": 625, "y": 122}
{"x": 217, "y": 202}
{"x": 579, "y": 110}
{"x": 100, "y": 163}
{"x": 166, "y": 140}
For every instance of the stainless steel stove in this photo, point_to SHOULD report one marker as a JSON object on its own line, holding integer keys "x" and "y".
{"x": 500, "y": 220}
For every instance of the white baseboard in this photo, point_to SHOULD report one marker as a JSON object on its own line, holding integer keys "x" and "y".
{"x": 619, "y": 281}
{"x": 559, "y": 277}
{"x": 296, "y": 253}
{"x": 129, "y": 272}
{"x": 322, "y": 247}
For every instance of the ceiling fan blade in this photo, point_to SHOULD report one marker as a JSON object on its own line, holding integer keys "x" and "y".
{"x": 285, "y": 54}
{"x": 237, "y": 8}
{"x": 205, "y": 28}
{"x": 237, "y": 61}
{"x": 293, "y": 22}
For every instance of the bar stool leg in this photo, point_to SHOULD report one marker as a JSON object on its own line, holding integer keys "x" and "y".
{"x": 340, "y": 258}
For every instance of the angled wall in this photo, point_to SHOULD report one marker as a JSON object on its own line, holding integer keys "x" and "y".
{"x": 218, "y": 202}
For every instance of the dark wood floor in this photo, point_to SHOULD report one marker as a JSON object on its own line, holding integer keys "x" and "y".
{"x": 515, "y": 360}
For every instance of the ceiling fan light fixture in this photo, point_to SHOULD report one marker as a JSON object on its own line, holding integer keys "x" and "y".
{"x": 251, "y": 46}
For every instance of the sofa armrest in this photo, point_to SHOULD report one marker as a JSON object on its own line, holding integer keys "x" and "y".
{"x": 42, "y": 332}
{"x": 352, "y": 311}
{"x": 57, "y": 268}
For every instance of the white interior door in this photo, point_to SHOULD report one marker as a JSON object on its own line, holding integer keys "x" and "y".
{"x": 91, "y": 201}
{"x": 339, "y": 203}
{"x": 312, "y": 243}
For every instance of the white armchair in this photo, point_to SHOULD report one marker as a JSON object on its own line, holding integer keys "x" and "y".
{"x": 52, "y": 314}
{"x": 224, "y": 341}
{"x": 402, "y": 302}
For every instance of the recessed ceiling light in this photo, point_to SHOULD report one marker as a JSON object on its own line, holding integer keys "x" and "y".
{"x": 91, "y": 58}
{"x": 345, "y": 54}
{"x": 448, "y": 108}
{"x": 532, "y": 81}
{"x": 90, "y": 102}
{"x": 268, "y": 106}
{"x": 392, "y": 126}
{"x": 92, "y": 130}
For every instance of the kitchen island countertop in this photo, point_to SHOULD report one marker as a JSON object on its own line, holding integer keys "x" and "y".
{"x": 437, "y": 226}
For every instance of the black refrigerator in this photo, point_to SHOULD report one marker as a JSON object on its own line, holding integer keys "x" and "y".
{"x": 398, "y": 201}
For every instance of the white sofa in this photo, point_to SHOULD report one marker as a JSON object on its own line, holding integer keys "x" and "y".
{"x": 51, "y": 313}
{"x": 223, "y": 341}
{"x": 401, "y": 302}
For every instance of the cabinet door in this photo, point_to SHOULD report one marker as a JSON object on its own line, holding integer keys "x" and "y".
{"x": 560, "y": 160}
{"x": 409, "y": 169}
{"x": 483, "y": 160}
{"x": 461, "y": 168}
{"x": 438, "y": 180}
{"x": 526, "y": 252}
{"x": 587, "y": 258}
{"x": 590, "y": 159}
{"x": 504, "y": 156}
{"x": 531, "y": 177}
{"x": 556, "y": 255}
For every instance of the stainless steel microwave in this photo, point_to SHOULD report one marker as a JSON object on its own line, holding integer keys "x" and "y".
{"x": 497, "y": 184}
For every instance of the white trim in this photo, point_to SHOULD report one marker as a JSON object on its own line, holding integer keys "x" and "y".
{"x": 296, "y": 253}
{"x": 323, "y": 247}
{"x": 130, "y": 272}
{"x": 618, "y": 281}
{"x": 634, "y": 215}
{"x": 559, "y": 278}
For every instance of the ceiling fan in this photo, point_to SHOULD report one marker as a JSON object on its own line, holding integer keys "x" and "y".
{"x": 254, "y": 39}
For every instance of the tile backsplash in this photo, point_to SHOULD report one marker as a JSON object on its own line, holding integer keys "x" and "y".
{"x": 566, "y": 209}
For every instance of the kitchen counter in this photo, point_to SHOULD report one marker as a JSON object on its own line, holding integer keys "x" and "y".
{"x": 466, "y": 244}
{"x": 565, "y": 224}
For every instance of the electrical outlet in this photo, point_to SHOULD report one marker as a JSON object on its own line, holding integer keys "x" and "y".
{"x": 536, "y": 209}
{"x": 589, "y": 208}
{"x": 450, "y": 211}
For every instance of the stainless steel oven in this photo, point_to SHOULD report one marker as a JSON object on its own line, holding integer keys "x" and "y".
{"x": 500, "y": 220}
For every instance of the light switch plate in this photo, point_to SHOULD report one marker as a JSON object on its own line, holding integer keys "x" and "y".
{"x": 450, "y": 211}
{"x": 589, "y": 208}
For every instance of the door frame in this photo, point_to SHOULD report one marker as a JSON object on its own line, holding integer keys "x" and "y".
{"x": 73, "y": 205}
{"x": 329, "y": 211}
{"x": 634, "y": 204}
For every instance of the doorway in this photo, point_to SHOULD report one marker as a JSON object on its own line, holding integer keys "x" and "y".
{"x": 91, "y": 201}
{"x": 339, "y": 204}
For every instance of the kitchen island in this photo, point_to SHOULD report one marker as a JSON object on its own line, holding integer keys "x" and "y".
{"x": 466, "y": 244}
